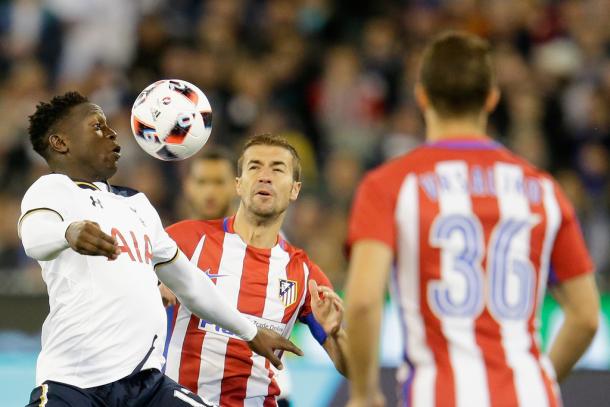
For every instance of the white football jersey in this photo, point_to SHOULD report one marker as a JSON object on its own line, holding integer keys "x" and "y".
{"x": 105, "y": 317}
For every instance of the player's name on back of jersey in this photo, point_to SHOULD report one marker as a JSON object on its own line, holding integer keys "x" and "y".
{"x": 278, "y": 327}
{"x": 480, "y": 182}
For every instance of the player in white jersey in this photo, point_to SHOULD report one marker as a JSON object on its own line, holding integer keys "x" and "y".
{"x": 102, "y": 250}
{"x": 473, "y": 234}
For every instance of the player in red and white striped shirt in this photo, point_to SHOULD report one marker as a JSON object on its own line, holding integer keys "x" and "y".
{"x": 271, "y": 282}
{"x": 476, "y": 234}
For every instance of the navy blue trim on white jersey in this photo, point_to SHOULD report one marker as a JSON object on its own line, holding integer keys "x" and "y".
{"x": 87, "y": 185}
{"x": 117, "y": 190}
{"x": 140, "y": 365}
{"x": 122, "y": 191}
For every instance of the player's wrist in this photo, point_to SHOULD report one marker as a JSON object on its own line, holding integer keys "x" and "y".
{"x": 366, "y": 392}
{"x": 67, "y": 231}
{"x": 62, "y": 230}
{"x": 250, "y": 333}
{"x": 336, "y": 333}
{"x": 71, "y": 232}
{"x": 331, "y": 329}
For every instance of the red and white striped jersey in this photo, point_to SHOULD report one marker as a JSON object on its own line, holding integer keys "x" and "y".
{"x": 269, "y": 286}
{"x": 477, "y": 233}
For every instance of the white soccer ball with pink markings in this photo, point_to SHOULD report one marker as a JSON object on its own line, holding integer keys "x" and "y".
{"x": 171, "y": 119}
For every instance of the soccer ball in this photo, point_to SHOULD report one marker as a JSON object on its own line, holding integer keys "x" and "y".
{"x": 171, "y": 119}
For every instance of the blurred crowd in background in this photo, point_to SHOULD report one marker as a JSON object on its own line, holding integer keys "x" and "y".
{"x": 335, "y": 77}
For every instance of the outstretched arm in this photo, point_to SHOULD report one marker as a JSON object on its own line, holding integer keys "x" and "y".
{"x": 197, "y": 292}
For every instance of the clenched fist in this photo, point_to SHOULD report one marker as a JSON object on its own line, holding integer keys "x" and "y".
{"x": 86, "y": 237}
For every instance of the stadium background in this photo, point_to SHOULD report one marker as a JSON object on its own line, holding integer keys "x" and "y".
{"x": 336, "y": 78}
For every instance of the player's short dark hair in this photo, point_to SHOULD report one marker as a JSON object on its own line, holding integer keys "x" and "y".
{"x": 456, "y": 72}
{"x": 267, "y": 139}
{"x": 212, "y": 153}
{"x": 47, "y": 115}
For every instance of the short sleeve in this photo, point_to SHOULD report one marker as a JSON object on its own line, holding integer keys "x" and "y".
{"x": 164, "y": 248}
{"x": 569, "y": 257}
{"x": 51, "y": 193}
{"x": 315, "y": 273}
{"x": 372, "y": 214}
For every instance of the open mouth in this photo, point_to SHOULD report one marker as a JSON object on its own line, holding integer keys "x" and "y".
{"x": 264, "y": 193}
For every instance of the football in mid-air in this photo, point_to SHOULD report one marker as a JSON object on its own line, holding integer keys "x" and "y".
{"x": 171, "y": 119}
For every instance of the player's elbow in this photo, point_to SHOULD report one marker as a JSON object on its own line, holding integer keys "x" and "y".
{"x": 362, "y": 306}
{"x": 586, "y": 320}
{"x": 593, "y": 325}
{"x": 342, "y": 369}
{"x": 589, "y": 323}
{"x": 32, "y": 252}
{"x": 39, "y": 254}
{"x": 579, "y": 300}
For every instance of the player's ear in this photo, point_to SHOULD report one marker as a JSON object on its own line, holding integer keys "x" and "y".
{"x": 421, "y": 97}
{"x": 57, "y": 143}
{"x": 238, "y": 185}
{"x": 492, "y": 99}
{"x": 296, "y": 188}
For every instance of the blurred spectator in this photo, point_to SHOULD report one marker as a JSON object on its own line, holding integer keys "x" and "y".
{"x": 350, "y": 103}
{"x": 405, "y": 132}
{"x": 96, "y": 31}
{"x": 11, "y": 255}
{"x": 342, "y": 172}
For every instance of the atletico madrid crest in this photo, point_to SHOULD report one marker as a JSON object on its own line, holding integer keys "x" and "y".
{"x": 288, "y": 292}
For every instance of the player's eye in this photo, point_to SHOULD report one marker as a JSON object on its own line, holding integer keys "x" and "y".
{"x": 97, "y": 126}
{"x": 278, "y": 169}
